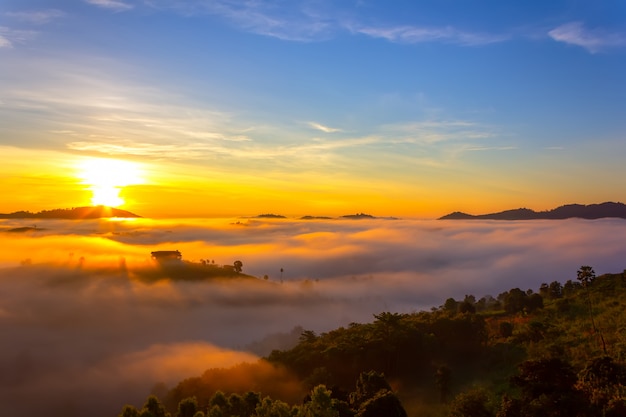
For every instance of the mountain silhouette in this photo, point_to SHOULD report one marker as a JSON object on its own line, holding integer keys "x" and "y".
{"x": 76, "y": 213}
{"x": 591, "y": 211}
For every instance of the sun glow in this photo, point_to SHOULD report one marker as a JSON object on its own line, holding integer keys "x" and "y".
{"x": 106, "y": 178}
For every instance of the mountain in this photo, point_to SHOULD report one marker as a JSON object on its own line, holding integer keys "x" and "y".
{"x": 76, "y": 213}
{"x": 591, "y": 211}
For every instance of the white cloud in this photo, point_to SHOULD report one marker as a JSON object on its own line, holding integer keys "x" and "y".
{"x": 575, "y": 33}
{"x": 289, "y": 20}
{"x": 115, "y": 5}
{"x": 9, "y": 37}
{"x": 417, "y": 34}
{"x": 4, "y": 42}
{"x": 37, "y": 17}
{"x": 323, "y": 128}
{"x": 301, "y": 21}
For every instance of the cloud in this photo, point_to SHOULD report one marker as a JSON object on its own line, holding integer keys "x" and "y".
{"x": 323, "y": 128}
{"x": 4, "y": 42}
{"x": 115, "y": 5}
{"x": 417, "y": 34}
{"x": 37, "y": 17}
{"x": 286, "y": 20}
{"x": 306, "y": 21}
{"x": 91, "y": 323}
{"x": 9, "y": 37}
{"x": 575, "y": 33}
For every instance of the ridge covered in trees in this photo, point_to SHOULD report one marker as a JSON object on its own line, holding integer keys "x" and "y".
{"x": 591, "y": 211}
{"x": 76, "y": 213}
{"x": 558, "y": 350}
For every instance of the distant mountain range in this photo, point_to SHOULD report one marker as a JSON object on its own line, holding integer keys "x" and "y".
{"x": 77, "y": 213}
{"x": 591, "y": 211}
{"x": 357, "y": 216}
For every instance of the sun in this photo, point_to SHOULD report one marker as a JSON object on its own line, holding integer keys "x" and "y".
{"x": 106, "y": 178}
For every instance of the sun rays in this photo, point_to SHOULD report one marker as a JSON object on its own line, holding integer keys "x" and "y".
{"x": 106, "y": 178}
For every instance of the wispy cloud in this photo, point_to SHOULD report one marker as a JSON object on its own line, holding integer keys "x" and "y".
{"x": 36, "y": 17}
{"x": 115, "y": 5}
{"x": 4, "y": 42}
{"x": 115, "y": 147}
{"x": 291, "y": 20}
{"x": 418, "y": 34}
{"x": 325, "y": 129}
{"x": 431, "y": 132}
{"x": 9, "y": 37}
{"x": 303, "y": 21}
{"x": 593, "y": 40}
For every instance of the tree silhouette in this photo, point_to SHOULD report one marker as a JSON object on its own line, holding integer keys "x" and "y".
{"x": 442, "y": 381}
{"x": 586, "y": 276}
{"x": 238, "y": 265}
{"x": 187, "y": 407}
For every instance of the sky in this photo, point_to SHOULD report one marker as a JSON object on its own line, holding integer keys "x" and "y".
{"x": 84, "y": 334}
{"x": 217, "y": 108}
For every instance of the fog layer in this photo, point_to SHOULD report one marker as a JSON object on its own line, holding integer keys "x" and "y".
{"x": 83, "y": 331}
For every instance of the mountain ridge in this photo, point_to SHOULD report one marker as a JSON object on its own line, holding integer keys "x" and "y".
{"x": 75, "y": 213}
{"x": 568, "y": 211}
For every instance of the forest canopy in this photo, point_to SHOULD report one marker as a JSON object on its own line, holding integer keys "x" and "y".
{"x": 556, "y": 350}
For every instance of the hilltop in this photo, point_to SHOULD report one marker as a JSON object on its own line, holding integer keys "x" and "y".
{"x": 76, "y": 213}
{"x": 522, "y": 353}
{"x": 591, "y": 211}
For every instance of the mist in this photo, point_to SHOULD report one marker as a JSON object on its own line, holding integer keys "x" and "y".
{"x": 84, "y": 334}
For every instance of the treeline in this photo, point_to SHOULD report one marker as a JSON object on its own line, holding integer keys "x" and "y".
{"x": 556, "y": 351}
{"x": 372, "y": 397}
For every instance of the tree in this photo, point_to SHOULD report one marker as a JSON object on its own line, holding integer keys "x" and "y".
{"x": 321, "y": 404}
{"x": 555, "y": 290}
{"x": 129, "y": 411}
{"x": 515, "y": 301}
{"x": 450, "y": 305}
{"x": 586, "y": 275}
{"x": 236, "y": 405}
{"x": 251, "y": 400}
{"x": 238, "y": 265}
{"x": 384, "y": 403}
{"x": 154, "y": 407}
{"x": 603, "y": 381}
{"x": 272, "y": 408}
{"x": 187, "y": 407}
{"x": 367, "y": 386}
{"x": 548, "y": 389}
{"x": 533, "y": 302}
{"x": 467, "y": 308}
{"x": 472, "y": 403}
{"x": 218, "y": 399}
{"x": 442, "y": 381}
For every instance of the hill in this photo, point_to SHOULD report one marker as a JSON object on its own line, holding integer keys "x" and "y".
{"x": 76, "y": 213}
{"x": 591, "y": 211}
{"x": 554, "y": 351}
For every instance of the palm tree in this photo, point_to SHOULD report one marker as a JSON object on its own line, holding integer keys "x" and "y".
{"x": 586, "y": 275}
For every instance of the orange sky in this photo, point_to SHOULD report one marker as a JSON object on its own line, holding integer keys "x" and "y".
{"x": 49, "y": 179}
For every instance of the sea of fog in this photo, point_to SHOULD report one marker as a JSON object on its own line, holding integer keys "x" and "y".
{"x": 83, "y": 336}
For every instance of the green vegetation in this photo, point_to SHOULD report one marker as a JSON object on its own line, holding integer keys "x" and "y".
{"x": 191, "y": 271}
{"x": 560, "y": 351}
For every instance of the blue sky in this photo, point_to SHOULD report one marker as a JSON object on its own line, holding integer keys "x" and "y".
{"x": 425, "y": 105}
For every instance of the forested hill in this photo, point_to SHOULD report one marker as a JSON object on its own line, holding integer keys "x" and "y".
{"x": 591, "y": 211}
{"x": 557, "y": 350}
{"x": 76, "y": 213}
